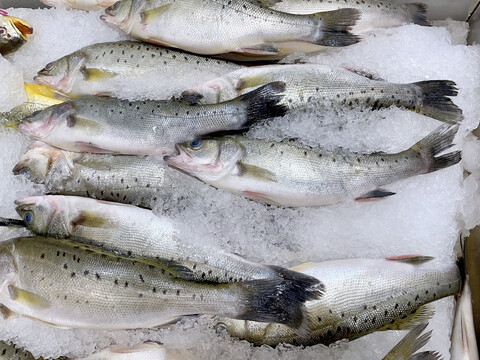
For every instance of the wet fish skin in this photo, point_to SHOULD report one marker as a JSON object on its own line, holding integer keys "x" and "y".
{"x": 101, "y": 176}
{"x": 289, "y": 173}
{"x": 374, "y": 14}
{"x": 132, "y": 231}
{"x": 145, "y": 351}
{"x": 313, "y": 85}
{"x": 410, "y": 344}
{"x": 13, "y": 34}
{"x": 72, "y": 285}
{"x": 104, "y": 125}
{"x": 87, "y": 5}
{"x": 99, "y": 68}
{"x": 358, "y": 300}
{"x": 243, "y": 26}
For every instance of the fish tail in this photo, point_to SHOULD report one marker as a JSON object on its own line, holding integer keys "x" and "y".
{"x": 436, "y": 142}
{"x": 279, "y": 300}
{"x": 435, "y": 101}
{"x": 262, "y": 103}
{"x": 418, "y": 11}
{"x": 334, "y": 28}
{"x": 426, "y": 355}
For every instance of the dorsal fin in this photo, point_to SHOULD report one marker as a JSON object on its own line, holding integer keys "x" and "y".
{"x": 411, "y": 259}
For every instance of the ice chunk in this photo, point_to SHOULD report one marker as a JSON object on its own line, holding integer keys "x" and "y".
{"x": 11, "y": 86}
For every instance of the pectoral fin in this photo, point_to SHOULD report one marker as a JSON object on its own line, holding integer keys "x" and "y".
{"x": 256, "y": 172}
{"x": 150, "y": 15}
{"x": 97, "y": 74}
{"x": 27, "y": 298}
{"x": 89, "y": 219}
{"x": 376, "y": 194}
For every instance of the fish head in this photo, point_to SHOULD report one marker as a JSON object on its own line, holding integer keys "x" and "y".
{"x": 123, "y": 14}
{"x": 209, "y": 159}
{"x": 41, "y": 161}
{"x": 13, "y": 33}
{"x": 252, "y": 331}
{"x": 61, "y": 74}
{"x": 41, "y": 123}
{"x": 45, "y": 215}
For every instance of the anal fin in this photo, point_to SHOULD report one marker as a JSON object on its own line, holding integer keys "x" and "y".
{"x": 376, "y": 194}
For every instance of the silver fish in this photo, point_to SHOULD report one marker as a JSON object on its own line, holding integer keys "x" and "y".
{"x": 13, "y": 33}
{"x": 106, "y": 125}
{"x": 312, "y": 85}
{"x": 410, "y": 344}
{"x": 132, "y": 231}
{"x": 100, "y": 68}
{"x": 243, "y": 26}
{"x": 73, "y": 285}
{"x": 374, "y": 14}
{"x": 101, "y": 176}
{"x": 87, "y": 5}
{"x": 361, "y": 296}
{"x": 291, "y": 174}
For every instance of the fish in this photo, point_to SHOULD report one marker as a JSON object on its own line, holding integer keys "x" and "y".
{"x": 361, "y": 296}
{"x": 99, "y": 69}
{"x": 288, "y": 173}
{"x": 144, "y": 351}
{"x": 38, "y": 98}
{"x": 135, "y": 232}
{"x": 314, "y": 85}
{"x": 374, "y": 14}
{"x": 411, "y": 343}
{"x": 247, "y": 27}
{"x": 8, "y": 351}
{"x": 13, "y": 34}
{"x": 87, "y": 5}
{"x": 73, "y": 285}
{"x": 101, "y": 176}
{"x": 106, "y": 125}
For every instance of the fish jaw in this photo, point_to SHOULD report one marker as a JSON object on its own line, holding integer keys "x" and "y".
{"x": 22, "y": 27}
{"x": 123, "y": 14}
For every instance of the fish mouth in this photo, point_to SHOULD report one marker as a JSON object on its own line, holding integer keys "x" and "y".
{"x": 176, "y": 158}
{"x": 22, "y": 27}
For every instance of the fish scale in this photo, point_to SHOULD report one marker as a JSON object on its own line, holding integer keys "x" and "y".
{"x": 361, "y": 296}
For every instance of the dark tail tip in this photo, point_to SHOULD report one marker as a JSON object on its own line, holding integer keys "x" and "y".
{"x": 282, "y": 299}
{"x": 263, "y": 103}
{"x": 418, "y": 11}
{"x": 445, "y": 161}
{"x": 436, "y": 102}
{"x": 336, "y": 27}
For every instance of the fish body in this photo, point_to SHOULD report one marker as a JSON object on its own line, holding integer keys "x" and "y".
{"x": 374, "y": 14}
{"x": 108, "y": 125}
{"x": 133, "y": 231}
{"x": 101, "y": 176}
{"x": 361, "y": 296}
{"x": 87, "y": 5}
{"x": 98, "y": 69}
{"x": 222, "y": 26}
{"x": 312, "y": 85}
{"x": 38, "y": 98}
{"x": 145, "y": 351}
{"x": 292, "y": 174}
{"x": 13, "y": 34}
{"x": 72, "y": 285}
{"x": 410, "y": 344}
{"x": 9, "y": 351}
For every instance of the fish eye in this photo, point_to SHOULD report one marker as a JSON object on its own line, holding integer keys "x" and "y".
{"x": 35, "y": 113}
{"x": 3, "y": 31}
{"x": 49, "y": 66}
{"x": 28, "y": 217}
{"x": 196, "y": 144}
{"x": 114, "y": 7}
{"x": 221, "y": 329}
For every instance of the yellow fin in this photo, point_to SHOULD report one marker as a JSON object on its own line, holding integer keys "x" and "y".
{"x": 89, "y": 219}
{"x": 27, "y": 298}
{"x": 147, "y": 16}
{"x": 422, "y": 315}
{"x": 302, "y": 266}
{"x": 93, "y": 74}
{"x": 256, "y": 172}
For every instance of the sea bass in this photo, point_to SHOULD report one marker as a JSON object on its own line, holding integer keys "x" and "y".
{"x": 87, "y": 5}
{"x": 13, "y": 33}
{"x": 292, "y": 174}
{"x": 374, "y": 14}
{"x": 361, "y": 296}
{"x": 133, "y": 231}
{"x": 311, "y": 85}
{"x": 100, "y": 69}
{"x": 221, "y": 26}
{"x": 108, "y": 125}
{"x": 410, "y": 344}
{"x": 73, "y": 285}
{"x": 38, "y": 98}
